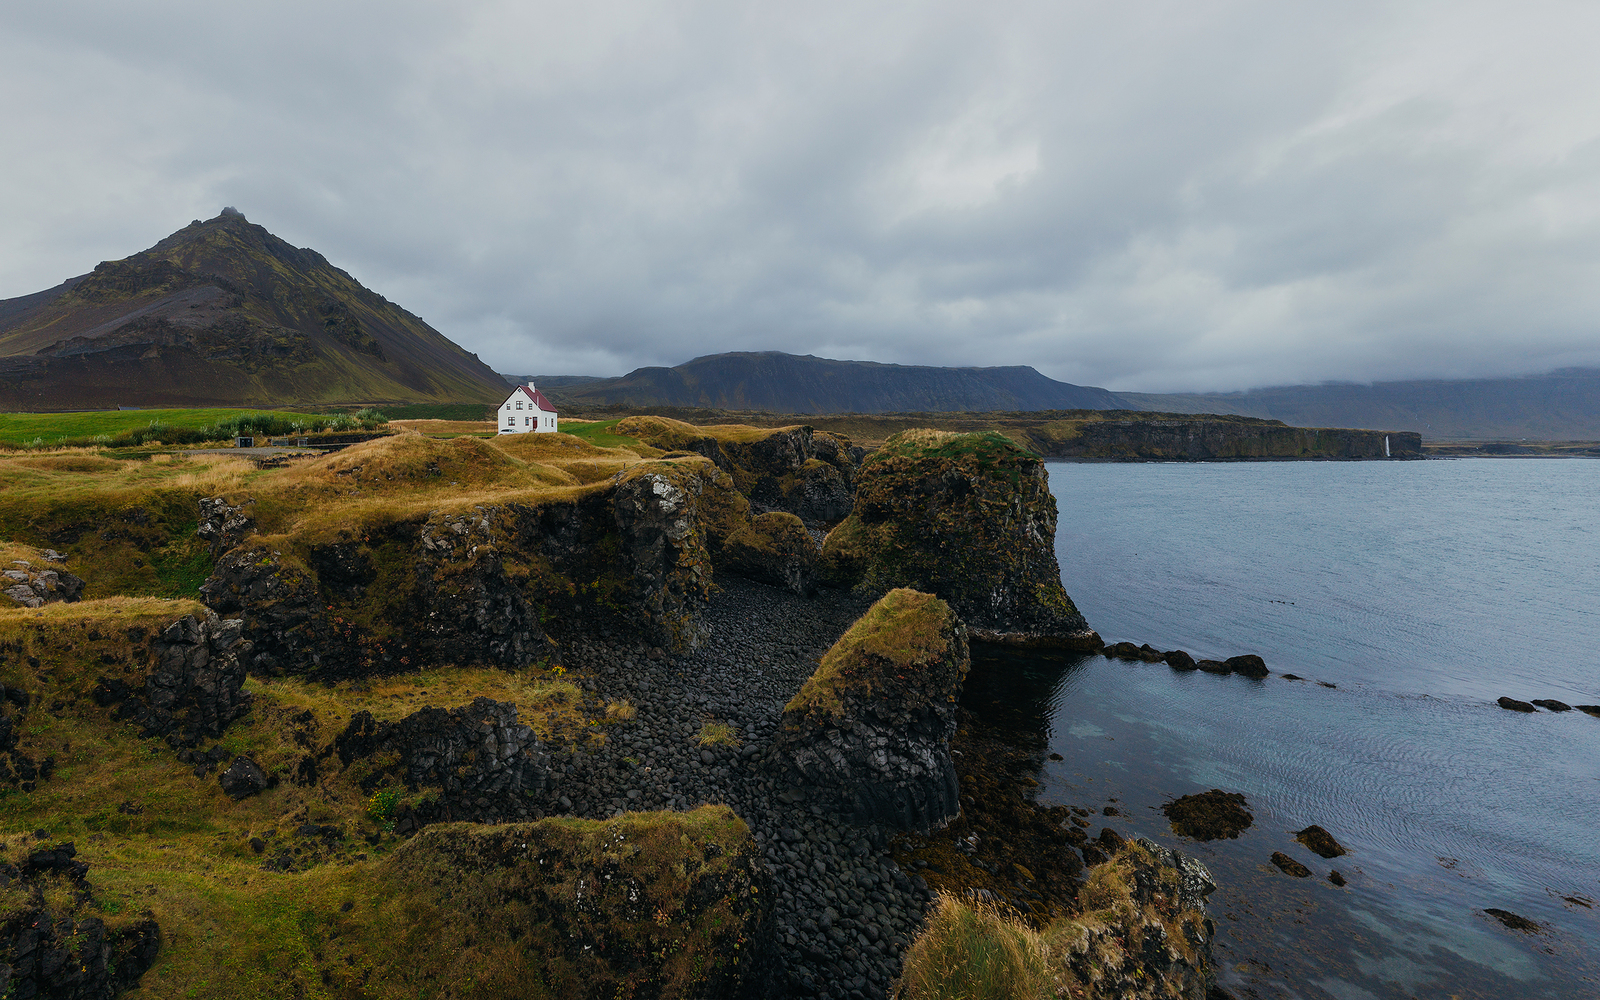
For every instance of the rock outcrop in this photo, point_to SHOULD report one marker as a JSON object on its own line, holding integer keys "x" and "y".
{"x": 776, "y": 549}
{"x": 472, "y": 586}
{"x": 868, "y": 735}
{"x": 18, "y": 769}
{"x": 195, "y": 685}
{"x": 968, "y": 517}
{"x": 223, "y": 525}
{"x": 667, "y": 905}
{"x": 484, "y": 762}
{"x": 800, "y": 470}
{"x": 51, "y": 945}
{"x": 35, "y": 586}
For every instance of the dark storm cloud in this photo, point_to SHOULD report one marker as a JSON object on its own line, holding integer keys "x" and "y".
{"x": 1152, "y": 196}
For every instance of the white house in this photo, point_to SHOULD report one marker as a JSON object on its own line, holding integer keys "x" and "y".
{"x": 526, "y": 410}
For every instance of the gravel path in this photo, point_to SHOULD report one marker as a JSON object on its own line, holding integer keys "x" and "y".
{"x": 844, "y": 911}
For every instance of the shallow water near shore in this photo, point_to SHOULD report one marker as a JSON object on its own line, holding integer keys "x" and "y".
{"x": 1423, "y": 590}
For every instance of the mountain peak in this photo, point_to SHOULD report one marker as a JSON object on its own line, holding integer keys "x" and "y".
{"x": 223, "y": 312}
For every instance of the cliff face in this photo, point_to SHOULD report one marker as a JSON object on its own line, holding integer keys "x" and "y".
{"x": 380, "y": 595}
{"x": 968, "y": 517}
{"x": 1202, "y": 440}
{"x": 869, "y": 732}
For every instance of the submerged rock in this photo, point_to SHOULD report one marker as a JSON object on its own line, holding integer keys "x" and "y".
{"x": 1337, "y": 879}
{"x": 1320, "y": 841}
{"x": 1212, "y": 815}
{"x": 1213, "y": 666}
{"x": 1514, "y": 922}
{"x": 969, "y": 518}
{"x": 870, "y": 730}
{"x": 1289, "y": 866}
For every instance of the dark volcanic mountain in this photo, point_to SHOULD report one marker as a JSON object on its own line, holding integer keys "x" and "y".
{"x": 787, "y": 383}
{"x": 223, "y": 313}
{"x": 1559, "y": 406}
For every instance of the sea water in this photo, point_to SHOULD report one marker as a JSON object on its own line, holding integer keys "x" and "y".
{"x": 1409, "y": 595}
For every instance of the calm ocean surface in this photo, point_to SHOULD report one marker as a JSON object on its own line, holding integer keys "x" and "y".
{"x": 1423, "y": 591}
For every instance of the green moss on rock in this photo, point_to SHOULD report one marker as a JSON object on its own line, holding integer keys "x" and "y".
{"x": 774, "y": 548}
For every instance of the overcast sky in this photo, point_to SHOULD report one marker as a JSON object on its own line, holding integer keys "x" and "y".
{"x": 1139, "y": 195}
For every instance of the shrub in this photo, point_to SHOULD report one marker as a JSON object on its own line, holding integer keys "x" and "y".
{"x": 717, "y": 734}
{"x": 970, "y": 951}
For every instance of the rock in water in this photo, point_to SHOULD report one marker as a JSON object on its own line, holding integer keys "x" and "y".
{"x": 969, "y": 518}
{"x": 1289, "y": 866}
{"x": 1512, "y": 704}
{"x": 1552, "y": 704}
{"x": 1177, "y": 659}
{"x": 870, "y": 730}
{"x": 1320, "y": 841}
{"x": 1209, "y": 815}
{"x": 774, "y": 548}
{"x": 1513, "y": 921}
{"x": 1249, "y": 665}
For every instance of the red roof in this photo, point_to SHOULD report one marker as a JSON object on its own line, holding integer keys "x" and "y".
{"x": 537, "y": 397}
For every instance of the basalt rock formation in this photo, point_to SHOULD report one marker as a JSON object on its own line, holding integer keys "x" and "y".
{"x": 805, "y": 472}
{"x": 868, "y": 735}
{"x": 776, "y": 549}
{"x": 968, "y": 517}
{"x": 54, "y": 946}
{"x": 195, "y": 685}
{"x": 33, "y": 586}
{"x": 470, "y": 586}
{"x": 668, "y": 905}
{"x": 483, "y": 761}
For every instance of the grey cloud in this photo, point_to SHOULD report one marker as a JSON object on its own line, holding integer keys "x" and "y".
{"x": 1154, "y": 196}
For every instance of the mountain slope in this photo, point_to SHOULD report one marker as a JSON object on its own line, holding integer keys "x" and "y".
{"x": 224, "y": 313}
{"x": 1559, "y": 406}
{"x": 787, "y": 383}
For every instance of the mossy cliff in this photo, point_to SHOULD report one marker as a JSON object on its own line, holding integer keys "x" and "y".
{"x": 868, "y": 734}
{"x": 1118, "y": 437}
{"x": 668, "y": 905}
{"x": 968, "y": 517}
{"x": 383, "y": 588}
{"x": 774, "y": 548}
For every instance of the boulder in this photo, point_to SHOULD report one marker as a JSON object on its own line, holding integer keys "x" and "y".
{"x": 669, "y": 905}
{"x": 1512, "y": 704}
{"x": 1249, "y": 665}
{"x": 776, "y": 549}
{"x": 1121, "y": 651}
{"x": 870, "y": 731}
{"x": 1552, "y": 704}
{"x": 244, "y": 778}
{"x": 1593, "y": 710}
{"x": 1289, "y": 866}
{"x": 1213, "y": 666}
{"x": 969, "y": 518}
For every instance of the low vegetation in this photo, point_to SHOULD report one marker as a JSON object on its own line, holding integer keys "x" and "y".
{"x": 899, "y": 636}
{"x": 133, "y": 428}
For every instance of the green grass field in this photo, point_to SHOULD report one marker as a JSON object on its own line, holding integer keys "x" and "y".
{"x": 601, "y": 434}
{"x": 62, "y": 428}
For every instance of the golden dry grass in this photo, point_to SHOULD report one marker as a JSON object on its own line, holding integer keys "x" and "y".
{"x": 434, "y": 426}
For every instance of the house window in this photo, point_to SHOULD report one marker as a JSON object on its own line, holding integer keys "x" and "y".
{"x": 526, "y": 421}
{"x": 519, "y": 404}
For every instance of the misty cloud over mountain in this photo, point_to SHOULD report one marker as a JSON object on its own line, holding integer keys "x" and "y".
{"x": 1153, "y": 197}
